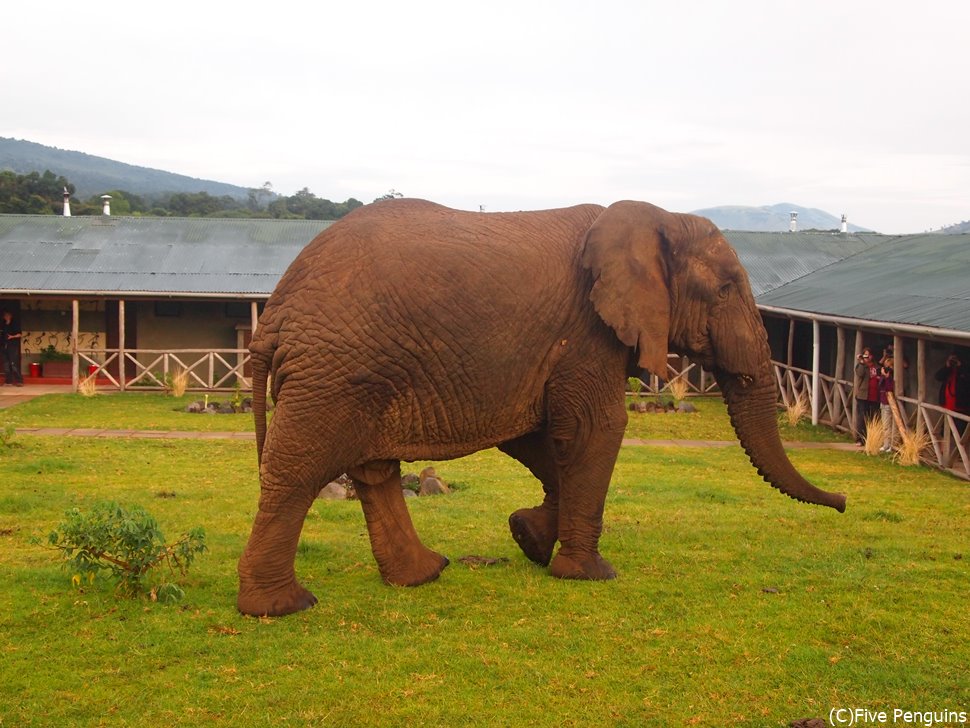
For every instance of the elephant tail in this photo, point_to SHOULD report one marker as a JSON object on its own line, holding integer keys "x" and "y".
{"x": 260, "y": 375}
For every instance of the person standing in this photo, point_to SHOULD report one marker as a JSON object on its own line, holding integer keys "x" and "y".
{"x": 10, "y": 335}
{"x": 886, "y": 388}
{"x": 865, "y": 389}
{"x": 955, "y": 388}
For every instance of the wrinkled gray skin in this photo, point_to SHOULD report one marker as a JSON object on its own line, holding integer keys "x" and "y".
{"x": 409, "y": 331}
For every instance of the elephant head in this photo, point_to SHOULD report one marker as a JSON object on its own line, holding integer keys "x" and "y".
{"x": 665, "y": 281}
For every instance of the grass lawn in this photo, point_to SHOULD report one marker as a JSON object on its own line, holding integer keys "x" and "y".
{"x": 155, "y": 411}
{"x": 734, "y": 604}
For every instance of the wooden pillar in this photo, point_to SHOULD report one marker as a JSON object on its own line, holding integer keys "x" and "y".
{"x": 839, "y": 375}
{"x": 791, "y": 341}
{"x": 122, "y": 379}
{"x": 855, "y": 405}
{"x": 899, "y": 368}
{"x": 816, "y": 381}
{"x": 920, "y": 381}
{"x": 75, "y": 331}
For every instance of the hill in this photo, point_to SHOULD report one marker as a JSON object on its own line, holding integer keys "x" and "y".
{"x": 92, "y": 175}
{"x": 773, "y": 218}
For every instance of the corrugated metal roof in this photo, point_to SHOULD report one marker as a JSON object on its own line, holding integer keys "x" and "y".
{"x": 921, "y": 280}
{"x": 41, "y": 253}
{"x": 916, "y": 279}
{"x": 774, "y": 259}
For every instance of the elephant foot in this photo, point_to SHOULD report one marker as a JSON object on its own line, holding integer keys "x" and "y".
{"x": 262, "y": 602}
{"x": 592, "y": 567}
{"x": 534, "y": 530}
{"x": 420, "y": 569}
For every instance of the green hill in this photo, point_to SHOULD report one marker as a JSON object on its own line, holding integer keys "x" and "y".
{"x": 92, "y": 175}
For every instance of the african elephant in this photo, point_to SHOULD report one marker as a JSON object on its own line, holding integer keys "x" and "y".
{"x": 410, "y": 331}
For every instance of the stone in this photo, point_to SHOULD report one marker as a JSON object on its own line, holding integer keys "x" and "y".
{"x": 410, "y": 481}
{"x": 408, "y": 493}
{"x": 333, "y": 491}
{"x": 195, "y": 407}
{"x": 686, "y": 407}
{"x": 433, "y": 486}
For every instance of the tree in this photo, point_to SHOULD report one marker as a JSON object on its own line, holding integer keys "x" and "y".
{"x": 391, "y": 194}
{"x": 32, "y": 193}
{"x": 260, "y": 197}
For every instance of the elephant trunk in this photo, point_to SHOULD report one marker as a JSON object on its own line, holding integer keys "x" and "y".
{"x": 752, "y": 407}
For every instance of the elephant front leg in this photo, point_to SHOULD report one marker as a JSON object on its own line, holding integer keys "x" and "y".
{"x": 536, "y": 529}
{"x": 586, "y": 472}
{"x": 267, "y": 580}
{"x": 401, "y": 557}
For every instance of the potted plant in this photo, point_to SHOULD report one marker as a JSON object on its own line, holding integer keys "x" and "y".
{"x": 55, "y": 363}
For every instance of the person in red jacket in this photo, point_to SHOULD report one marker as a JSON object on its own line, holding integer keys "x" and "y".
{"x": 955, "y": 388}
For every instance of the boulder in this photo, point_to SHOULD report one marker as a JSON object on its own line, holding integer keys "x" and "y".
{"x": 433, "y": 486}
{"x": 333, "y": 491}
{"x": 686, "y": 406}
{"x": 408, "y": 493}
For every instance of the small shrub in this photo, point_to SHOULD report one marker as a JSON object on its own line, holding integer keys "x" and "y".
{"x": 912, "y": 447}
{"x": 128, "y": 544}
{"x": 796, "y": 410}
{"x": 635, "y": 385}
{"x": 875, "y": 434}
{"x": 88, "y": 386}
{"x": 678, "y": 388}
{"x": 178, "y": 382}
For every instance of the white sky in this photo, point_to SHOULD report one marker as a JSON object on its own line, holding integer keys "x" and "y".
{"x": 851, "y": 106}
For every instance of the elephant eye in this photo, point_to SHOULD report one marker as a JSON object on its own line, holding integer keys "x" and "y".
{"x": 724, "y": 291}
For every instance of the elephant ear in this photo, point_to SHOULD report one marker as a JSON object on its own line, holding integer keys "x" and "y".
{"x": 627, "y": 253}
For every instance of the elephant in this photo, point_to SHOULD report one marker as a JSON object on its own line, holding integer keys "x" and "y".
{"x": 410, "y": 331}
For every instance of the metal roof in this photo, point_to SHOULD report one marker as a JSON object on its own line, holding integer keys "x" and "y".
{"x": 774, "y": 259}
{"x": 171, "y": 256}
{"x": 914, "y": 279}
{"x": 921, "y": 280}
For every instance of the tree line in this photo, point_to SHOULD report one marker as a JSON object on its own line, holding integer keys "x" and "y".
{"x": 43, "y": 194}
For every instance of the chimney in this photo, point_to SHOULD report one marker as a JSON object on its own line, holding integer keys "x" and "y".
{"x": 106, "y": 199}
{"x": 793, "y": 222}
{"x": 844, "y": 228}
{"x": 67, "y": 203}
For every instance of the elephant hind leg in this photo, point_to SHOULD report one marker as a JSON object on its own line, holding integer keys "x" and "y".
{"x": 536, "y": 529}
{"x": 267, "y": 580}
{"x": 401, "y": 557}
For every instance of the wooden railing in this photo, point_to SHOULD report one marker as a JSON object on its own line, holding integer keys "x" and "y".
{"x": 206, "y": 369}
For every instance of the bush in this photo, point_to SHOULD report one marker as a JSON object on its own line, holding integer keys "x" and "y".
{"x": 128, "y": 544}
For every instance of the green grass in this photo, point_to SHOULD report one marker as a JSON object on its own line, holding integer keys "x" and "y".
{"x": 128, "y": 411}
{"x": 734, "y": 604}
{"x": 153, "y": 411}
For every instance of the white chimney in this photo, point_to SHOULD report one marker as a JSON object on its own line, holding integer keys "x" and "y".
{"x": 793, "y": 222}
{"x": 106, "y": 199}
{"x": 67, "y": 203}
{"x": 844, "y": 228}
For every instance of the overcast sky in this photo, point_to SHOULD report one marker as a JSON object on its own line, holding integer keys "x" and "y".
{"x": 851, "y": 106}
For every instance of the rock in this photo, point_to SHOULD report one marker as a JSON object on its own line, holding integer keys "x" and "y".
{"x": 410, "y": 481}
{"x": 686, "y": 406}
{"x": 428, "y": 472}
{"x": 408, "y": 493}
{"x": 333, "y": 491}
{"x": 195, "y": 407}
{"x": 641, "y": 407}
{"x": 433, "y": 486}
